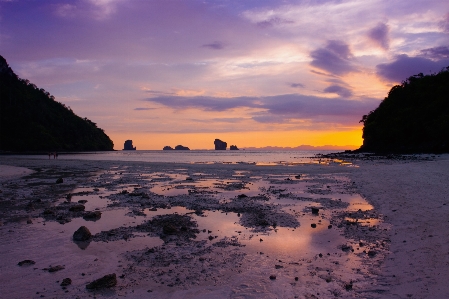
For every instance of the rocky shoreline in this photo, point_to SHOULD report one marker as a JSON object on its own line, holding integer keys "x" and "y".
{"x": 222, "y": 230}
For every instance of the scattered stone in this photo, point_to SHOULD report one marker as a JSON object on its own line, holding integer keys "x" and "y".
{"x": 272, "y": 277}
{"x": 315, "y": 210}
{"x": 313, "y": 225}
{"x": 346, "y": 248}
{"x": 329, "y": 226}
{"x": 348, "y": 286}
{"x": 29, "y": 221}
{"x": 106, "y": 281}
{"x": 297, "y": 176}
{"x": 189, "y": 179}
{"x": 59, "y": 181}
{"x": 55, "y": 268}
{"x": 372, "y": 253}
{"x": 82, "y": 234}
{"x": 242, "y": 196}
{"x": 92, "y": 216}
{"x": 278, "y": 266}
{"x": 82, "y": 201}
{"x": 65, "y": 282}
{"x": 296, "y": 278}
{"x": 26, "y": 263}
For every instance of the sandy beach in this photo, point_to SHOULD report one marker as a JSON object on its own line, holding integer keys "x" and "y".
{"x": 370, "y": 229}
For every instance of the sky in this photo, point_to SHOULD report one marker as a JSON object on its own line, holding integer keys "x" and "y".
{"x": 253, "y": 73}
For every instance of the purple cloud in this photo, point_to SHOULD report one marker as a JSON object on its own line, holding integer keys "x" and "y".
{"x": 216, "y": 45}
{"x": 404, "y": 66}
{"x": 436, "y": 53}
{"x": 335, "y": 58}
{"x": 340, "y": 90}
{"x": 379, "y": 35}
{"x": 278, "y": 109}
{"x": 205, "y": 103}
{"x": 296, "y": 85}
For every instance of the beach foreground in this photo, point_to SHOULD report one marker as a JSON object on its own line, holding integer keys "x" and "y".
{"x": 226, "y": 231}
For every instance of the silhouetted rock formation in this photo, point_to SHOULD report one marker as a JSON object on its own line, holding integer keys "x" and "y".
{"x": 167, "y": 148}
{"x": 414, "y": 118}
{"x": 220, "y": 145}
{"x": 234, "y": 148}
{"x": 182, "y": 148}
{"x": 31, "y": 120}
{"x": 129, "y": 146}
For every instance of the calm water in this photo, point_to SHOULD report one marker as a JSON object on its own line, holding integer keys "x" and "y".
{"x": 204, "y": 156}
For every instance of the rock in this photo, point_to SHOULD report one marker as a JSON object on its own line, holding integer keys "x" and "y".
{"x": 29, "y": 221}
{"x": 278, "y": 266}
{"x": 315, "y": 210}
{"x": 106, "y": 281}
{"x": 233, "y": 148}
{"x": 167, "y": 148}
{"x": 189, "y": 179}
{"x": 182, "y": 148}
{"x": 82, "y": 201}
{"x": 346, "y": 247}
{"x": 296, "y": 278}
{"x": 59, "y": 181}
{"x": 272, "y": 277}
{"x": 313, "y": 225}
{"x": 82, "y": 234}
{"x": 128, "y": 146}
{"x": 92, "y": 216}
{"x": 26, "y": 263}
{"x": 329, "y": 226}
{"x": 348, "y": 286}
{"x": 242, "y": 196}
{"x": 65, "y": 282}
{"x": 77, "y": 208}
{"x": 55, "y": 268}
{"x": 297, "y": 176}
{"x": 372, "y": 253}
{"x": 220, "y": 145}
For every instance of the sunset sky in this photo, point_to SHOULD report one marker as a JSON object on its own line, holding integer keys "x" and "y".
{"x": 250, "y": 72}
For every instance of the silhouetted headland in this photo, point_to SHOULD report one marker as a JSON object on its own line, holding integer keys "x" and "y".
{"x": 32, "y": 121}
{"x": 413, "y": 118}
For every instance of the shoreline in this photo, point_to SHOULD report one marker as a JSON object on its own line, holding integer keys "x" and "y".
{"x": 378, "y": 181}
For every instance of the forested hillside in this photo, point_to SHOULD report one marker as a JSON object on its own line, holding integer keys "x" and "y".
{"x": 31, "y": 120}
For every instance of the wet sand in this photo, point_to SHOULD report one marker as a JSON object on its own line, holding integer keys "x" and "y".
{"x": 221, "y": 231}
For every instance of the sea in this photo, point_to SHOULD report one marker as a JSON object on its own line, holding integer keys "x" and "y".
{"x": 258, "y": 157}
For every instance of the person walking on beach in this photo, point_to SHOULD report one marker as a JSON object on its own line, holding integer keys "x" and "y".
{"x": 49, "y": 154}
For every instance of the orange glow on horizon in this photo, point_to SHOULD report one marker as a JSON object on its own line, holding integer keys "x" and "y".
{"x": 156, "y": 141}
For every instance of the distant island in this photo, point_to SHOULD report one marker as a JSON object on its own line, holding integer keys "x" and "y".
{"x": 220, "y": 145}
{"x": 233, "y": 148}
{"x": 128, "y": 146}
{"x": 31, "y": 120}
{"x": 413, "y": 118}
{"x": 178, "y": 148}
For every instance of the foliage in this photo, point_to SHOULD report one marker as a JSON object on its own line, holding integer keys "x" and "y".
{"x": 414, "y": 118}
{"x": 31, "y": 120}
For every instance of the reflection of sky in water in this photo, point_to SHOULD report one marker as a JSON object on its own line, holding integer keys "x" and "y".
{"x": 279, "y": 189}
